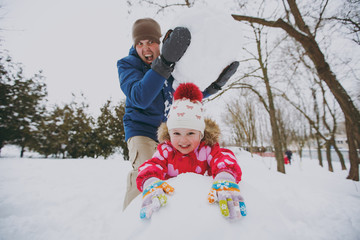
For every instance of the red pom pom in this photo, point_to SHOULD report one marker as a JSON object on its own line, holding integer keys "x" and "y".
{"x": 189, "y": 91}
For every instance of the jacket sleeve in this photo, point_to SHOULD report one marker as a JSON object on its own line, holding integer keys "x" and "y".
{"x": 140, "y": 88}
{"x": 154, "y": 167}
{"x": 224, "y": 160}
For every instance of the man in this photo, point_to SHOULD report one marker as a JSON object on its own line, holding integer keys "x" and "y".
{"x": 145, "y": 78}
{"x": 288, "y": 153}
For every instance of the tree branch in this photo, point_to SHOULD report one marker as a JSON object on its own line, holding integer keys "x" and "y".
{"x": 275, "y": 24}
{"x": 299, "y": 21}
{"x": 320, "y": 17}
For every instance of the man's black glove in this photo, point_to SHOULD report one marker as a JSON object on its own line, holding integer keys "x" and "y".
{"x": 224, "y": 76}
{"x": 174, "y": 46}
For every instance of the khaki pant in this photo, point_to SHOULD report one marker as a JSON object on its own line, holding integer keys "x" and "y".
{"x": 140, "y": 149}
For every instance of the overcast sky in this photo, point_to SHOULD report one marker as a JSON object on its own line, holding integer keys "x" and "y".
{"x": 75, "y": 42}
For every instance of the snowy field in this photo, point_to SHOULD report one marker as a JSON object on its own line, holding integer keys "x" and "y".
{"x": 81, "y": 199}
{"x": 72, "y": 199}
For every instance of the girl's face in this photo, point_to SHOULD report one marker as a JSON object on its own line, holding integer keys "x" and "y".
{"x": 185, "y": 140}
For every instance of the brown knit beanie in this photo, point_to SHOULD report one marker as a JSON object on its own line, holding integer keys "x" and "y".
{"x": 146, "y": 29}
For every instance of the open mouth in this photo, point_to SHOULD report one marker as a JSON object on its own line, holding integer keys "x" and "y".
{"x": 185, "y": 146}
{"x": 149, "y": 57}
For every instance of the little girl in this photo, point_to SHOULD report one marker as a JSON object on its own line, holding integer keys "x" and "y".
{"x": 189, "y": 143}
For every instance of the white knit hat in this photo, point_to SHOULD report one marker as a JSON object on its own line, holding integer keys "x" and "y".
{"x": 187, "y": 109}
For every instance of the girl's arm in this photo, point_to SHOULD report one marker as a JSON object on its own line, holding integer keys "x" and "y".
{"x": 224, "y": 160}
{"x": 154, "y": 167}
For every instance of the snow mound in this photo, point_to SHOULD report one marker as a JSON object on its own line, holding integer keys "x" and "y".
{"x": 188, "y": 215}
{"x": 298, "y": 205}
{"x": 215, "y": 43}
{"x": 57, "y": 199}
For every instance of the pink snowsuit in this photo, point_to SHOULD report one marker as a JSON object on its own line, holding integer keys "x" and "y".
{"x": 167, "y": 162}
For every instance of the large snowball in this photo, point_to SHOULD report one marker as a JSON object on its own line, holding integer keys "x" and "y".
{"x": 188, "y": 215}
{"x": 216, "y": 41}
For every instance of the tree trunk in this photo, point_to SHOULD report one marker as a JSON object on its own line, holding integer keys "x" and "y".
{"x": 341, "y": 157}
{"x": 328, "y": 156}
{"x": 276, "y": 137}
{"x": 275, "y": 130}
{"x": 353, "y": 155}
{"x": 319, "y": 150}
{"x": 22, "y": 151}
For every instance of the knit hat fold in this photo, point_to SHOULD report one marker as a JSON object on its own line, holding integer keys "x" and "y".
{"x": 146, "y": 29}
{"x": 187, "y": 109}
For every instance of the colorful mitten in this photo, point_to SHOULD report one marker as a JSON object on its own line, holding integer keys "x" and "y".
{"x": 154, "y": 197}
{"x": 227, "y": 193}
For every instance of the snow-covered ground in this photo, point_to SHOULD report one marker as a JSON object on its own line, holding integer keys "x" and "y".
{"x": 57, "y": 199}
{"x": 81, "y": 199}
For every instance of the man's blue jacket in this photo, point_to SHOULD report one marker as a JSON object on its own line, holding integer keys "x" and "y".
{"x": 148, "y": 96}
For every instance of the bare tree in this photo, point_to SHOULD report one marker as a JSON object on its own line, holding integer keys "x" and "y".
{"x": 300, "y": 137}
{"x": 162, "y": 5}
{"x": 301, "y": 32}
{"x": 242, "y": 118}
{"x": 318, "y": 119}
{"x": 293, "y": 128}
{"x": 349, "y": 16}
{"x": 266, "y": 98}
{"x": 332, "y": 130}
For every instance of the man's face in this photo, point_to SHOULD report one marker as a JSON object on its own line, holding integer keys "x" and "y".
{"x": 148, "y": 50}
